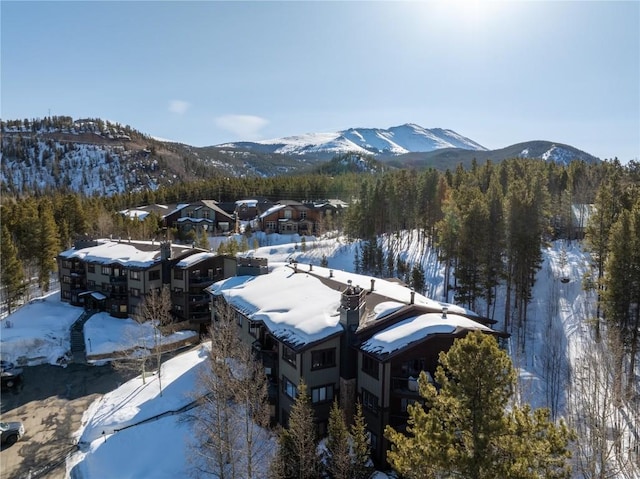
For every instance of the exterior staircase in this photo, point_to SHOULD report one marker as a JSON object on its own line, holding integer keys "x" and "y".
{"x": 78, "y": 349}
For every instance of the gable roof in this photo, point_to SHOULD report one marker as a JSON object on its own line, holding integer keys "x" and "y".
{"x": 415, "y": 329}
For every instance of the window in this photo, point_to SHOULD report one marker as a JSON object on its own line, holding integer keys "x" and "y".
{"x": 414, "y": 366}
{"x": 303, "y": 215}
{"x": 91, "y": 268}
{"x": 154, "y": 275}
{"x": 370, "y": 366}
{"x": 91, "y": 284}
{"x": 373, "y": 440}
{"x": 65, "y": 295}
{"x": 106, "y": 270}
{"x": 322, "y": 394}
{"x": 289, "y": 388}
{"x": 106, "y": 287}
{"x": 324, "y": 358}
{"x": 67, "y": 264}
{"x": 271, "y": 225}
{"x": 289, "y": 355}
{"x": 178, "y": 274}
{"x": 288, "y": 214}
{"x": 370, "y": 401}
{"x": 135, "y": 275}
{"x": 66, "y": 279}
{"x": 177, "y": 307}
{"x": 239, "y": 319}
{"x": 254, "y": 329}
{"x": 135, "y": 292}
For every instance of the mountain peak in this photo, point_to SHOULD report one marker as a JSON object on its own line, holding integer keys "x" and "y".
{"x": 393, "y": 141}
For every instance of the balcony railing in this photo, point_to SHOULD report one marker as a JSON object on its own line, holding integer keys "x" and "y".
{"x": 118, "y": 279}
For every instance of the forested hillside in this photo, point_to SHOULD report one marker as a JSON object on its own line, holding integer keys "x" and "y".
{"x": 92, "y": 156}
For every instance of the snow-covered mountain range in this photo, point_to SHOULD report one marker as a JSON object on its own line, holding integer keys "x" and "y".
{"x": 393, "y": 141}
{"x": 95, "y": 156}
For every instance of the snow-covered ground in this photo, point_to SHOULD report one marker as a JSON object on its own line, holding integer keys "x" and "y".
{"x": 557, "y": 337}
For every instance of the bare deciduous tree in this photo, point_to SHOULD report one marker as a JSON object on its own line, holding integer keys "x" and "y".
{"x": 603, "y": 420}
{"x": 146, "y": 352}
{"x": 231, "y": 440}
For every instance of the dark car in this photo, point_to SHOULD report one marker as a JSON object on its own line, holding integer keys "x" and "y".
{"x": 11, "y": 376}
{"x": 11, "y": 432}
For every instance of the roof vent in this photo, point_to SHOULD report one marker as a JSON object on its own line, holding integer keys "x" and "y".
{"x": 444, "y": 312}
{"x": 373, "y": 282}
{"x": 413, "y": 296}
{"x": 330, "y": 273}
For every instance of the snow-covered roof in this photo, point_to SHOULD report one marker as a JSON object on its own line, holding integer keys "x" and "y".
{"x": 194, "y": 259}
{"x": 296, "y": 308}
{"x": 249, "y": 203}
{"x": 392, "y": 290}
{"x": 417, "y": 328}
{"x": 302, "y": 308}
{"x": 115, "y": 252}
{"x": 271, "y": 210}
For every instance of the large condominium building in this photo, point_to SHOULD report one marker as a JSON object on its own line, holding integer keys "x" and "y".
{"x": 115, "y": 276}
{"x": 348, "y": 337}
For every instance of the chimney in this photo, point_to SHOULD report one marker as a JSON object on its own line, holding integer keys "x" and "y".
{"x": 373, "y": 282}
{"x": 444, "y": 312}
{"x": 413, "y": 296}
{"x": 330, "y": 273}
{"x": 295, "y": 267}
{"x": 310, "y": 267}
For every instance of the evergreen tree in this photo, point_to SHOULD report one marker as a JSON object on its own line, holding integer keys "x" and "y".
{"x": 361, "y": 450}
{"x": 465, "y": 430}
{"x": 12, "y": 273}
{"x": 203, "y": 240}
{"x": 417, "y": 278}
{"x": 297, "y": 456}
{"x": 621, "y": 295}
{"x": 48, "y": 244}
{"x": 338, "y": 455}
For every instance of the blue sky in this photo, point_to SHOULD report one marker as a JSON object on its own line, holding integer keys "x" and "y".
{"x": 209, "y": 72}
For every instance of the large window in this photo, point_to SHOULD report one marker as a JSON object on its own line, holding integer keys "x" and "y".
{"x": 289, "y": 388}
{"x": 369, "y": 400}
{"x": 289, "y": 355}
{"x": 67, "y": 264}
{"x": 324, "y": 358}
{"x": 91, "y": 268}
{"x": 271, "y": 225}
{"x": 154, "y": 275}
{"x": 414, "y": 366}
{"x": 322, "y": 394}
{"x": 135, "y": 275}
{"x": 178, "y": 274}
{"x": 370, "y": 366}
{"x": 106, "y": 270}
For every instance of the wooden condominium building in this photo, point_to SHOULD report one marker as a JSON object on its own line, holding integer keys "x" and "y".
{"x": 115, "y": 276}
{"x": 349, "y": 337}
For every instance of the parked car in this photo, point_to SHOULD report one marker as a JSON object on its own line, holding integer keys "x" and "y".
{"x": 11, "y": 375}
{"x": 11, "y": 432}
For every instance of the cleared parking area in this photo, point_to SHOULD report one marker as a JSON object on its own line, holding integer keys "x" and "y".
{"x": 50, "y": 402}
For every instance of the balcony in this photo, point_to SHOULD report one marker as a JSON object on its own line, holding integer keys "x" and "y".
{"x": 405, "y": 385}
{"x": 118, "y": 279}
